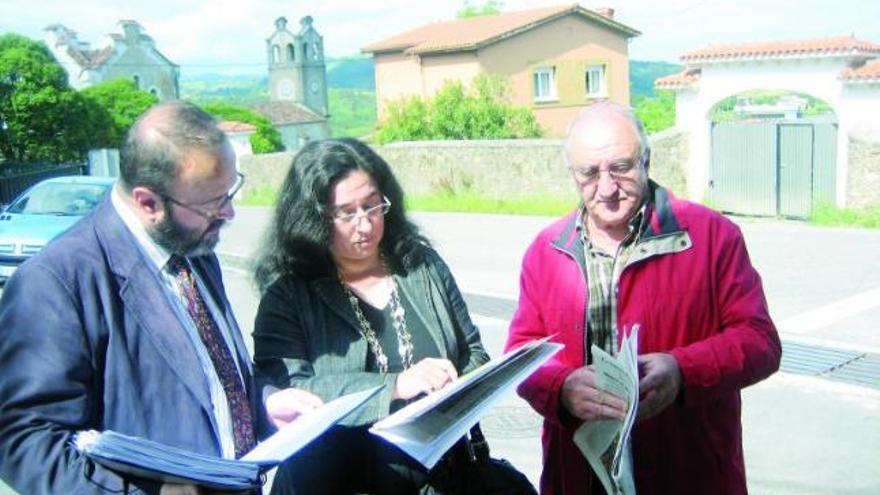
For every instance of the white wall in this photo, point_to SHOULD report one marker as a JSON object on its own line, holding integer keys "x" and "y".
{"x": 854, "y": 107}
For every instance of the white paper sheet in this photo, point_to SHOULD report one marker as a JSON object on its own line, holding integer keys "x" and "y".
{"x": 297, "y": 434}
{"x": 427, "y": 428}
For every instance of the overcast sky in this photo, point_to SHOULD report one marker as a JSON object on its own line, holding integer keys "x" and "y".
{"x": 229, "y": 35}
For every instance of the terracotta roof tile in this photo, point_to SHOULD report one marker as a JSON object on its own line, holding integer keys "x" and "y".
{"x": 468, "y": 34}
{"x": 286, "y": 112}
{"x": 686, "y": 78}
{"x": 236, "y": 126}
{"x": 870, "y": 72}
{"x": 841, "y": 45}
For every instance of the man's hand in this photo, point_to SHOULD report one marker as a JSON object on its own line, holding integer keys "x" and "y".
{"x": 286, "y": 405}
{"x": 584, "y": 401}
{"x": 426, "y": 376}
{"x": 659, "y": 384}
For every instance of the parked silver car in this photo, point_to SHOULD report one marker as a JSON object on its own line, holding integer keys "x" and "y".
{"x": 43, "y": 211}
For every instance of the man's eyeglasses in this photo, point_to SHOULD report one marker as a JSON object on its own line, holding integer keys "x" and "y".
{"x": 211, "y": 209}
{"x": 588, "y": 174}
{"x": 374, "y": 211}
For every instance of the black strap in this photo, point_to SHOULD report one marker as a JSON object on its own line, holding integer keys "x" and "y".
{"x": 478, "y": 444}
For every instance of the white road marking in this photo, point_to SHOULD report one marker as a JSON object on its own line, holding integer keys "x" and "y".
{"x": 814, "y": 319}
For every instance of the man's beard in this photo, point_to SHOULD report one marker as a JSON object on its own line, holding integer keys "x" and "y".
{"x": 176, "y": 239}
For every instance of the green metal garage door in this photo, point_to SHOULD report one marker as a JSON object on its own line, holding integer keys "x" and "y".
{"x": 772, "y": 168}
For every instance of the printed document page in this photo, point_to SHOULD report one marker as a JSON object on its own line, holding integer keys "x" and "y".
{"x": 607, "y": 443}
{"x": 427, "y": 428}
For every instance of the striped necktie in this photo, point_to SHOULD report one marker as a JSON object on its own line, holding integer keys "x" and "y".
{"x": 224, "y": 365}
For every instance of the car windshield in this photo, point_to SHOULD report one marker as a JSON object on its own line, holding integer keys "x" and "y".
{"x": 56, "y": 198}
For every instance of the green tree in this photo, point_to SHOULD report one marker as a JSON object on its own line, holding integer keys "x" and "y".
{"x": 266, "y": 139}
{"x": 490, "y": 7}
{"x": 123, "y": 102}
{"x": 656, "y": 113}
{"x": 41, "y": 117}
{"x": 482, "y": 112}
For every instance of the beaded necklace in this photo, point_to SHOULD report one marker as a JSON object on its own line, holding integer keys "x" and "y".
{"x": 398, "y": 320}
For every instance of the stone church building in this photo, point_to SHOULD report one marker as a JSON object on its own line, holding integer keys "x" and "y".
{"x": 131, "y": 54}
{"x": 298, "y": 105}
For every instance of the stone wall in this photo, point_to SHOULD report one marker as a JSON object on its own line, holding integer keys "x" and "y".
{"x": 863, "y": 188}
{"x": 669, "y": 154}
{"x": 491, "y": 168}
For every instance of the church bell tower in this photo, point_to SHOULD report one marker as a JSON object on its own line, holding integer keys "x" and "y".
{"x": 296, "y": 66}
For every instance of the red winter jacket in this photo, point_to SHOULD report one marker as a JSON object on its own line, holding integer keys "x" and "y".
{"x": 690, "y": 285}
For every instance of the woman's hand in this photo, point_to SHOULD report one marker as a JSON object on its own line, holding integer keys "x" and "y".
{"x": 426, "y": 376}
{"x": 286, "y": 405}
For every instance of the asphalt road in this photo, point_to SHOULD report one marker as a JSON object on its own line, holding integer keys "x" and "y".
{"x": 802, "y": 435}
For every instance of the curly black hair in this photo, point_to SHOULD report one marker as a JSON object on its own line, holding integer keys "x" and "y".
{"x": 298, "y": 242}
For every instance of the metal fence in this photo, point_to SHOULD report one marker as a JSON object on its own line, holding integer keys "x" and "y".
{"x": 16, "y": 177}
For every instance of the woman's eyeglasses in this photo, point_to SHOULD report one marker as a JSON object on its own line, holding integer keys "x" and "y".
{"x": 374, "y": 211}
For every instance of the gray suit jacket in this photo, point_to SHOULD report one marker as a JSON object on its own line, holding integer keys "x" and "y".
{"x": 88, "y": 340}
{"x": 307, "y": 336}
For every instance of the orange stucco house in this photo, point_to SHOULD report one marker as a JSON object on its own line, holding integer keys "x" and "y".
{"x": 556, "y": 59}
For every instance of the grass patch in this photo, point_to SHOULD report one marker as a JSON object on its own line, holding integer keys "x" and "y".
{"x": 469, "y": 202}
{"x": 833, "y": 216}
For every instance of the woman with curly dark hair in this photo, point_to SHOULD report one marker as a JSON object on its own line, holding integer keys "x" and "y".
{"x": 354, "y": 297}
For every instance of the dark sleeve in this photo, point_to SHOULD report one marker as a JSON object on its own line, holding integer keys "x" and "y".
{"x": 282, "y": 353}
{"x": 50, "y": 389}
{"x": 470, "y": 346}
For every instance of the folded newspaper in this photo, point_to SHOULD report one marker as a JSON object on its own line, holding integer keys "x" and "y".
{"x": 142, "y": 458}
{"x": 606, "y": 443}
{"x": 429, "y": 427}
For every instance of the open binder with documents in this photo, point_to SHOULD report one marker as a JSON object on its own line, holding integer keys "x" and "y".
{"x": 142, "y": 458}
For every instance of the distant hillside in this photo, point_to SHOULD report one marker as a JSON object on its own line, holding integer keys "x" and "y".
{"x": 351, "y": 72}
{"x": 233, "y": 89}
{"x": 642, "y": 75}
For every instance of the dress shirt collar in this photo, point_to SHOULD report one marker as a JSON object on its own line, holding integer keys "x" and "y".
{"x": 157, "y": 255}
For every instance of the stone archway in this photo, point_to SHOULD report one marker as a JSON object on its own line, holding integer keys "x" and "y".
{"x": 843, "y": 72}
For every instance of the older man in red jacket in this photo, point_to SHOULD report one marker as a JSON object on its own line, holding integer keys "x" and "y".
{"x": 632, "y": 254}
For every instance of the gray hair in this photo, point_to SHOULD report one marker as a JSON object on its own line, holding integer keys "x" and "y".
{"x": 156, "y": 143}
{"x": 622, "y": 110}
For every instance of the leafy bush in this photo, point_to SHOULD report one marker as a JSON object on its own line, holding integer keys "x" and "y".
{"x": 656, "y": 113}
{"x": 484, "y": 112}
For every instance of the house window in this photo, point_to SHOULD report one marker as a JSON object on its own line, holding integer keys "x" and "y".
{"x": 545, "y": 84}
{"x": 594, "y": 81}
{"x": 276, "y": 54}
{"x": 290, "y": 52}
{"x": 136, "y": 79}
{"x": 315, "y": 51}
